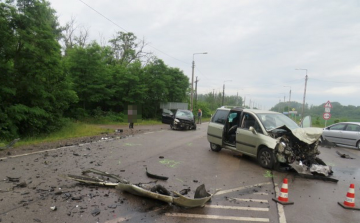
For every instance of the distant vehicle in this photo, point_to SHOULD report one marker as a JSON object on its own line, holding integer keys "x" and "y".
{"x": 271, "y": 137}
{"x": 183, "y": 119}
{"x": 343, "y": 133}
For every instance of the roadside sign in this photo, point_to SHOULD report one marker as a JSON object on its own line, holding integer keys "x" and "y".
{"x": 326, "y": 116}
{"x": 328, "y": 105}
{"x": 327, "y": 110}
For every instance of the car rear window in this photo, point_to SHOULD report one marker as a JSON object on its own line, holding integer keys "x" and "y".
{"x": 220, "y": 116}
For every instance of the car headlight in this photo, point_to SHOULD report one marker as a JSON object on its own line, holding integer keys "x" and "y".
{"x": 281, "y": 147}
{"x": 176, "y": 120}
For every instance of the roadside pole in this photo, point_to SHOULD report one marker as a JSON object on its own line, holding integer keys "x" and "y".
{"x": 327, "y": 114}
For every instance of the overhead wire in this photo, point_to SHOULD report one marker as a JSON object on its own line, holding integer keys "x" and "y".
{"x": 128, "y": 31}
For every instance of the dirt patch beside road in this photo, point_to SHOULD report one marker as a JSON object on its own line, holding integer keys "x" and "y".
{"x": 124, "y": 131}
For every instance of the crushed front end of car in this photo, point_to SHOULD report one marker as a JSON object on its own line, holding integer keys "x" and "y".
{"x": 184, "y": 124}
{"x": 299, "y": 149}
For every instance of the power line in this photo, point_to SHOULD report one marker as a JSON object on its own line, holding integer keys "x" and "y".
{"x": 337, "y": 82}
{"x": 128, "y": 31}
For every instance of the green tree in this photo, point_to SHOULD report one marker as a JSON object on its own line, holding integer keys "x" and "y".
{"x": 90, "y": 76}
{"x": 32, "y": 61}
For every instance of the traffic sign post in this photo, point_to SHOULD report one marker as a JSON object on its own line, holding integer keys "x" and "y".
{"x": 327, "y": 114}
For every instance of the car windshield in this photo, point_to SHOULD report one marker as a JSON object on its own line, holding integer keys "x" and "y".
{"x": 272, "y": 121}
{"x": 184, "y": 113}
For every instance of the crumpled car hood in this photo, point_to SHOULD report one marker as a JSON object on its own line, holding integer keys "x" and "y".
{"x": 306, "y": 135}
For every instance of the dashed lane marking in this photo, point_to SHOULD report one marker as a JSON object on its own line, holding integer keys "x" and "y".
{"x": 237, "y": 208}
{"x": 217, "y": 217}
{"x": 249, "y": 200}
{"x": 240, "y": 188}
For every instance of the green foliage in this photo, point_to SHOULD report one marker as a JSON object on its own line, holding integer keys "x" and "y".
{"x": 36, "y": 91}
{"x": 39, "y": 86}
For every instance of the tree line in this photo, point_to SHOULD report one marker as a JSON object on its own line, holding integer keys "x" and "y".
{"x": 42, "y": 83}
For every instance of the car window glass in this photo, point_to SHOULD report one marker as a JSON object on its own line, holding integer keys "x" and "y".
{"x": 354, "y": 128}
{"x": 187, "y": 114}
{"x": 274, "y": 120}
{"x": 247, "y": 121}
{"x": 220, "y": 116}
{"x": 337, "y": 127}
{"x": 232, "y": 116}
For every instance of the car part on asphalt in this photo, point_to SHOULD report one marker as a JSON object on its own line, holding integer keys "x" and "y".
{"x": 157, "y": 192}
{"x": 155, "y": 176}
{"x": 343, "y": 155}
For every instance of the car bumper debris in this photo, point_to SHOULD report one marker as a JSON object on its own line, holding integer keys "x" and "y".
{"x": 148, "y": 190}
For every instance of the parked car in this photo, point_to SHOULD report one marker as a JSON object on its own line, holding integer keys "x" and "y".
{"x": 183, "y": 119}
{"x": 343, "y": 133}
{"x": 271, "y": 137}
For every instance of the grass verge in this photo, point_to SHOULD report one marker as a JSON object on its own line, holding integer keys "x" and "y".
{"x": 70, "y": 130}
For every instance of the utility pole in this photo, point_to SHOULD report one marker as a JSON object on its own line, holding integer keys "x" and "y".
{"x": 237, "y": 97}
{"x": 192, "y": 81}
{"x": 303, "y": 107}
{"x": 196, "y": 94}
{"x": 223, "y": 94}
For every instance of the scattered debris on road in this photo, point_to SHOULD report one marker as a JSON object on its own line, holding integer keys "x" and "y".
{"x": 149, "y": 190}
{"x": 343, "y": 155}
{"x": 155, "y": 176}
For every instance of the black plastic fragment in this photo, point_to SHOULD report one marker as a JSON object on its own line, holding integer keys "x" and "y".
{"x": 155, "y": 176}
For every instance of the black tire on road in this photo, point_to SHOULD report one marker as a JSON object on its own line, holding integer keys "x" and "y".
{"x": 358, "y": 144}
{"x": 214, "y": 147}
{"x": 172, "y": 126}
{"x": 266, "y": 158}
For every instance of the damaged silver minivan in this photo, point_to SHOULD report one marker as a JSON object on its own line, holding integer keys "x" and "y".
{"x": 271, "y": 137}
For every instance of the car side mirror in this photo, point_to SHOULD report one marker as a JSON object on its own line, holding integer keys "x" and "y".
{"x": 253, "y": 130}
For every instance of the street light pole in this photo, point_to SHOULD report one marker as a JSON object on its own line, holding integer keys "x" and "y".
{"x": 289, "y": 99}
{"x": 224, "y": 92}
{"x": 303, "y": 107}
{"x": 192, "y": 82}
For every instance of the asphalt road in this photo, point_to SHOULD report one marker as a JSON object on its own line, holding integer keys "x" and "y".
{"x": 246, "y": 189}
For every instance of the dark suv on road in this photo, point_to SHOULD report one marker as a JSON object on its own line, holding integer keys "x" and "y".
{"x": 183, "y": 119}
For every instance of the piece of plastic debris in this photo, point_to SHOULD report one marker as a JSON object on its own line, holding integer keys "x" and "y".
{"x": 155, "y": 176}
{"x": 53, "y": 208}
{"x": 95, "y": 212}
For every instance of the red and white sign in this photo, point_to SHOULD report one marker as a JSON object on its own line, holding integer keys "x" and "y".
{"x": 328, "y": 105}
{"x": 326, "y": 116}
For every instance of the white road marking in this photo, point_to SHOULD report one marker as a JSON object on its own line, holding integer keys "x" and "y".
{"x": 217, "y": 217}
{"x": 148, "y": 133}
{"x": 237, "y": 208}
{"x": 240, "y": 188}
{"x": 250, "y": 200}
{"x": 261, "y": 193}
{"x": 43, "y": 151}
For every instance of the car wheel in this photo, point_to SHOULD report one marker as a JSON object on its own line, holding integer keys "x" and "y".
{"x": 266, "y": 158}
{"x": 214, "y": 147}
{"x": 358, "y": 144}
{"x": 194, "y": 127}
{"x": 172, "y": 126}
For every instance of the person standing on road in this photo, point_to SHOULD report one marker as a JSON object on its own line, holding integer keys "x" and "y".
{"x": 199, "y": 116}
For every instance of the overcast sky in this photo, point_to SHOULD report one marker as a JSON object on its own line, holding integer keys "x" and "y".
{"x": 254, "y": 46}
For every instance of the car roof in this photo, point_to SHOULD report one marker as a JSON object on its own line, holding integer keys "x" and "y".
{"x": 255, "y": 111}
{"x": 356, "y": 123}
